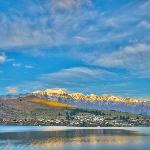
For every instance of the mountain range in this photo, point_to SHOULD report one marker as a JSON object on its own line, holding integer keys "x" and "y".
{"x": 96, "y": 102}
{"x": 58, "y": 107}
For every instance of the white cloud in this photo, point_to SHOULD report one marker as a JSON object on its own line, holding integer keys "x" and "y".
{"x": 80, "y": 38}
{"x": 16, "y": 65}
{"x": 80, "y": 23}
{"x": 133, "y": 58}
{"x": 26, "y": 32}
{"x": 2, "y": 58}
{"x": 145, "y": 24}
{"x": 74, "y": 79}
{"x": 77, "y": 75}
{"x": 10, "y": 59}
{"x": 19, "y": 65}
{"x": 69, "y": 4}
{"x": 11, "y": 90}
{"x": 28, "y": 66}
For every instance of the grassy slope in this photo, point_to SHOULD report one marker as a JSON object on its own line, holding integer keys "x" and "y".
{"x": 28, "y": 106}
{"x": 33, "y": 107}
{"x": 50, "y": 103}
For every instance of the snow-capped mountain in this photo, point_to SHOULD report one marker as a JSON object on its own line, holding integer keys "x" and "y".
{"x": 92, "y": 101}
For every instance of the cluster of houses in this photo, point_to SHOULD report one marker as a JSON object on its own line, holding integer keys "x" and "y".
{"x": 88, "y": 119}
{"x": 81, "y": 119}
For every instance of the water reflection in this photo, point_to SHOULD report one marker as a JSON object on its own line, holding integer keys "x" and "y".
{"x": 59, "y": 139}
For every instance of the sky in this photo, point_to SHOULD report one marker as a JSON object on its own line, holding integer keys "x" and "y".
{"x": 89, "y": 46}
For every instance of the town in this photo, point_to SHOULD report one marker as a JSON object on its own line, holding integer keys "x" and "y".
{"x": 81, "y": 119}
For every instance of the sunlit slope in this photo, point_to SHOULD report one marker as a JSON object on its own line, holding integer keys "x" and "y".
{"x": 30, "y": 107}
{"x": 50, "y": 103}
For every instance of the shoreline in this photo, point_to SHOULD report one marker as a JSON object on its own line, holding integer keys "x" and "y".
{"x": 7, "y": 128}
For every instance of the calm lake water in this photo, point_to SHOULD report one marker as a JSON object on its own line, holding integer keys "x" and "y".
{"x": 64, "y": 138}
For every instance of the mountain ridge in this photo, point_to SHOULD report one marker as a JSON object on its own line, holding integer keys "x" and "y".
{"x": 57, "y": 92}
{"x": 92, "y": 101}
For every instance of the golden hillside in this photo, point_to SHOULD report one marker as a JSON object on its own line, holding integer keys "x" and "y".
{"x": 50, "y": 103}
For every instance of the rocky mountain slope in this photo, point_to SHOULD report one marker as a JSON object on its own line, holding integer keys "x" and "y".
{"x": 79, "y": 96}
{"x": 92, "y": 101}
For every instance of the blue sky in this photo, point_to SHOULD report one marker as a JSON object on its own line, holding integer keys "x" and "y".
{"x": 89, "y": 46}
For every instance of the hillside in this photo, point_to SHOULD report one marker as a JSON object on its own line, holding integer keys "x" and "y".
{"x": 23, "y": 107}
{"x": 91, "y": 101}
{"x": 50, "y": 103}
{"x": 32, "y": 110}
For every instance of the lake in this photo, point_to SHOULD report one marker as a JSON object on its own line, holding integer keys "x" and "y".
{"x": 70, "y": 138}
